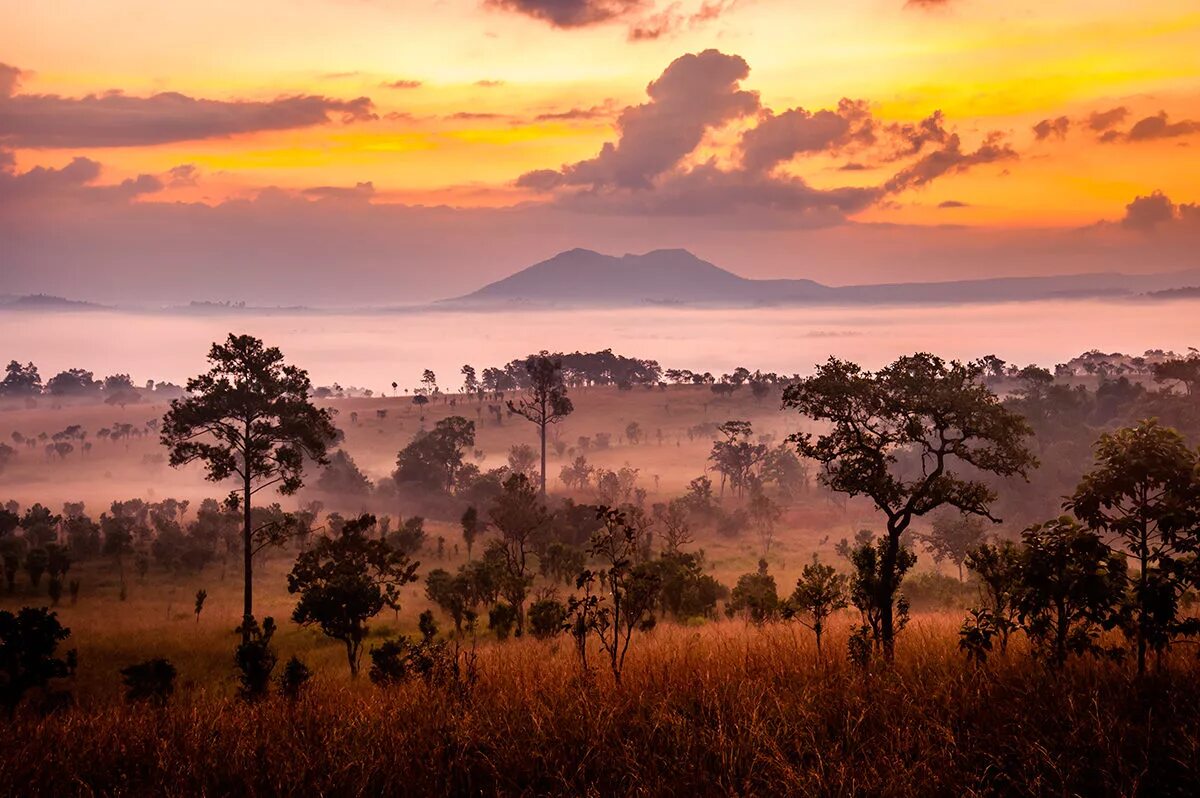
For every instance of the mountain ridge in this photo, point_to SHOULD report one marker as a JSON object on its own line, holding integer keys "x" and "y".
{"x": 584, "y": 277}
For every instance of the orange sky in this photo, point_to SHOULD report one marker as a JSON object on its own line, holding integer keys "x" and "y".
{"x": 464, "y": 97}
{"x": 986, "y": 66}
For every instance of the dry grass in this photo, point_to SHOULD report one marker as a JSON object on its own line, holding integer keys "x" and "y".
{"x": 726, "y": 709}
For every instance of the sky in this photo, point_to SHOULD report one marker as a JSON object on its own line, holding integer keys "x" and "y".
{"x": 341, "y": 152}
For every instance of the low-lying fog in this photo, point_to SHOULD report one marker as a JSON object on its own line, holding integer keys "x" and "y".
{"x": 373, "y": 349}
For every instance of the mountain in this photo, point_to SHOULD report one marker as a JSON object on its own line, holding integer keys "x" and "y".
{"x": 581, "y": 277}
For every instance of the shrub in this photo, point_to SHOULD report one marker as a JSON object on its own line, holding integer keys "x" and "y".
{"x": 152, "y": 681}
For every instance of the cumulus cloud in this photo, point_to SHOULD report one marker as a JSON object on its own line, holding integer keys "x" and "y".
{"x": 698, "y": 91}
{"x": 1160, "y": 127}
{"x": 779, "y": 138}
{"x": 118, "y": 120}
{"x": 650, "y": 168}
{"x": 1052, "y": 127}
{"x": 1149, "y": 213}
{"x": 402, "y": 84}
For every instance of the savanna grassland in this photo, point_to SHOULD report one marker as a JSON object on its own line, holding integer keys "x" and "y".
{"x": 733, "y": 700}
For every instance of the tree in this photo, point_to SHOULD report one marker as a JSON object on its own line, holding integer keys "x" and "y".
{"x": 628, "y": 594}
{"x": 436, "y": 457}
{"x": 952, "y": 536}
{"x": 470, "y": 381}
{"x": 249, "y": 416}
{"x": 429, "y": 382}
{"x": 999, "y": 568}
{"x": 522, "y": 459}
{"x": 21, "y": 381}
{"x": 735, "y": 457}
{"x": 1141, "y": 491}
{"x": 937, "y": 416}
{"x": 345, "y": 581}
{"x": 520, "y": 517}
{"x": 472, "y": 528}
{"x": 820, "y": 592}
{"x": 545, "y": 401}
{"x": 1184, "y": 371}
{"x": 28, "y": 646}
{"x": 755, "y": 595}
{"x": 152, "y": 681}
{"x": 343, "y": 477}
{"x": 1072, "y": 588}
{"x": 764, "y": 514}
{"x": 876, "y": 594}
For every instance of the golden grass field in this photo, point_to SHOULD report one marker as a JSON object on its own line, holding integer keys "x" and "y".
{"x": 724, "y": 708}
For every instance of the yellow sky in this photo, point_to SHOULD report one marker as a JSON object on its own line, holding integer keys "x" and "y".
{"x": 987, "y": 66}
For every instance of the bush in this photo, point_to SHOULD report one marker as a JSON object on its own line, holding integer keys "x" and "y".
{"x": 502, "y": 618}
{"x": 294, "y": 679}
{"x": 152, "y": 681}
{"x": 28, "y": 643}
{"x": 546, "y": 617}
{"x": 255, "y": 660}
{"x": 400, "y": 659}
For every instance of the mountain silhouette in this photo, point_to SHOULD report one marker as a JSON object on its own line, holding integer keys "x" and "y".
{"x": 582, "y": 277}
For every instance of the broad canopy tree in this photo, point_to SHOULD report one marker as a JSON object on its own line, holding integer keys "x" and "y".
{"x": 910, "y": 437}
{"x": 250, "y": 417}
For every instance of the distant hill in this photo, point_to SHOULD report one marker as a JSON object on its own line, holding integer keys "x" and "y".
{"x": 45, "y": 302}
{"x": 581, "y": 277}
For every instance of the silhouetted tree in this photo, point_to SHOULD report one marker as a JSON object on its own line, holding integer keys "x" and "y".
{"x": 520, "y": 517}
{"x": 249, "y": 416}
{"x": 937, "y": 415}
{"x": 345, "y": 581}
{"x": 545, "y": 401}
{"x": 1143, "y": 490}
{"x": 1072, "y": 587}
{"x": 28, "y": 646}
{"x": 820, "y": 592}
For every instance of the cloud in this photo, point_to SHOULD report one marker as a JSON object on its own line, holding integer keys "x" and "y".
{"x": 118, "y": 120}
{"x": 776, "y": 139}
{"x": 74, "y": 182}
{"x": 1052, "y": 127}
{"x": 10, "y": 79}
{"x": 948, "y": 160}
{"x": 594, "y": 112}
{"x": 570, "y": 13}
{"x": 1100, "y": 121}
{"x": 698, "y": 91}
{"x": 1158, "y": 127}
{"x": 489, "y": 84}
{"x": 470, "y": 116}
{"x": 185, "y": 174}
{"x": 953, "y": 204}
{"x": 672, "y": 19}
{"x": 650, "y": 168}
{"x": 1150, "y": 213}
{"x": 402, "y": 84}
{"x": 359, "y": 192}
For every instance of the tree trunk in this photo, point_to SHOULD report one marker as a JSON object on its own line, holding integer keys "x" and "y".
{"x": 248, "y": 560}
{"x": 886, "y": 599}
{"x": 543, "y": 437}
